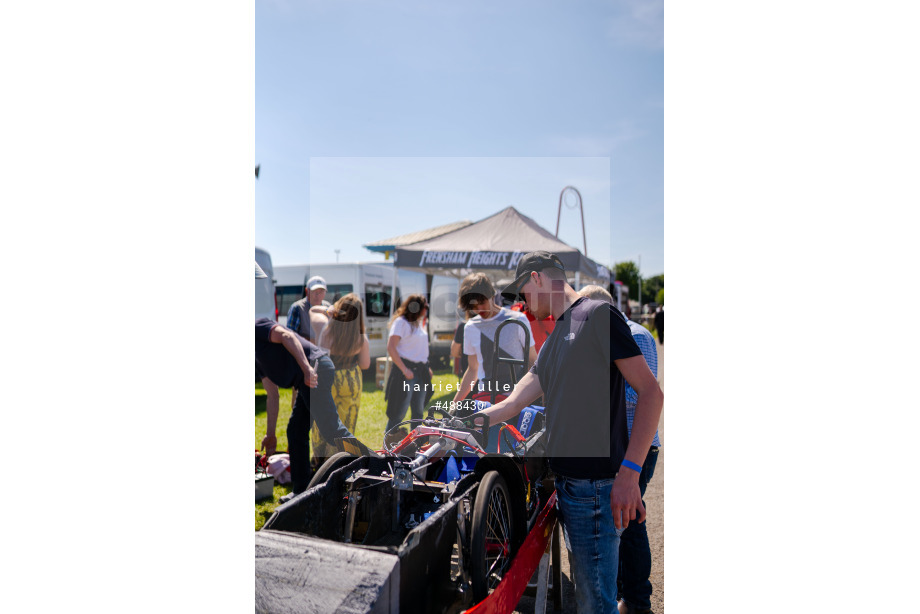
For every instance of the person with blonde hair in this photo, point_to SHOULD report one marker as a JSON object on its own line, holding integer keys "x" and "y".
{"x": 409, "y": 384}
{"x": 284, "y": 359}
{"x": 597, "y": 293}
{"x": 345, "y": 337}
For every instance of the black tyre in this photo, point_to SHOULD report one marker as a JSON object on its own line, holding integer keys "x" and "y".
{"x": 337, "y": 460}
{"x": 491, "y": 536}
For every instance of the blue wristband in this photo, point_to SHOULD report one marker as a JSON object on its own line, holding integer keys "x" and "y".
{"x": 631, "y": 465}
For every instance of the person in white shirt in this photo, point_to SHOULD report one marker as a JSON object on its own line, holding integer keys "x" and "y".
{"x": 476, "y": 297}
{"x": 409, "y": 384}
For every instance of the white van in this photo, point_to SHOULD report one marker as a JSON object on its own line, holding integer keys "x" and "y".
{"x": 265, "y": 288}
{"x": 373, "y": 282}
{"x": 289, "y": 283}
{"x": 443, "y": 316}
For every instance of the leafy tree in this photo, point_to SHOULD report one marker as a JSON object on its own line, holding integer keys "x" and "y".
{"x": 651, "y": 286}
{"x": 628, "y": 273}
{"x": 659, "y": 298}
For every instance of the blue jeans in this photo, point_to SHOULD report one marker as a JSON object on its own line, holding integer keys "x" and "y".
{"x": 635, "y": 554}
{"x": 592, "y": 540}
{"x": 401, "y": 393}
{"x": 415, "y": 399}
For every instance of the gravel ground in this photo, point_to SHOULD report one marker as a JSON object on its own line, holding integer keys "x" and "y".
{"x": 654, "y": 501}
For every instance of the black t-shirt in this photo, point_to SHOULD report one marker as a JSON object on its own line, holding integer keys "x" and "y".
{"x": 584, "y": 391}
{"x": 275, "y": 362}
{"x": 458, "y": 338}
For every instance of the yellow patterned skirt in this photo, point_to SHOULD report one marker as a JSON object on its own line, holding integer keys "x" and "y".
{"x": 346, "y": 392}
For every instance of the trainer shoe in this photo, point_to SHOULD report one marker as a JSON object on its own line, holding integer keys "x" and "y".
{"x": 287, "y": 497}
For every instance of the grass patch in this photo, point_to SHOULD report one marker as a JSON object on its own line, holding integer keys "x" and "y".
{"x": 372, "y": 420}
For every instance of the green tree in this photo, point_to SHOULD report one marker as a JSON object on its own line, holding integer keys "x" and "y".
{"x": 628, "y": 273}
{"x": 651, "y": 286}
{"x": 659, "y": 298}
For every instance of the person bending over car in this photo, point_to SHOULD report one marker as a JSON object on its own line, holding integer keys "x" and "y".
{"x": 283, "y": 360}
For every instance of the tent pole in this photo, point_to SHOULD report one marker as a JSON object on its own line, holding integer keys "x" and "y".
{"x": 386, "y": 369}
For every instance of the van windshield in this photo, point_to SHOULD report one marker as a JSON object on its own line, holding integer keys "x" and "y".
{"x": 285, "y": 296}
{"x": 377, "y": 300}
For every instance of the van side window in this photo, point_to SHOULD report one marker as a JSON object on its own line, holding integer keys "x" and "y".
{"x": 286, "y": 296}
{"x": 336, "y": 291}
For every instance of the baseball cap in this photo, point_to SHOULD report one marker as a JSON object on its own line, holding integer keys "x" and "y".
{"x": 316, "y": 282}
{"x": 530, "y": 263}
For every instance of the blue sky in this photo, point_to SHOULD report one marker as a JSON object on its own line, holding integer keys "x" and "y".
{"x": 377, "y": 118}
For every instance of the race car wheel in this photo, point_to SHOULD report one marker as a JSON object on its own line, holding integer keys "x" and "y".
{"x": 491, "y": 536}
{"x": 340, "y": 459}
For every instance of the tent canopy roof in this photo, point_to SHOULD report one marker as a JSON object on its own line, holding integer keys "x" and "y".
{"x": 390, "y": 245}
{"x": 494, "y": 243}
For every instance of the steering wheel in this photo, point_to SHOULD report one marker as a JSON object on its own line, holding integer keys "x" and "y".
{"x": 435, "y": 409}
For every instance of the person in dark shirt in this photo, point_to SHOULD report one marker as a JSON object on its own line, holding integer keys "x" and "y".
{"x": 283, "y": 361}
{"x": 582, "y": 372}
{"x": 456, "y": 350}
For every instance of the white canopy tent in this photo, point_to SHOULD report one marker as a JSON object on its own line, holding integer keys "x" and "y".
{"x": 494, "y": 245}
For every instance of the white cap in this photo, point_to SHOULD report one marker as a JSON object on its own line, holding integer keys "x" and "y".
{"x": 316, "y": 282}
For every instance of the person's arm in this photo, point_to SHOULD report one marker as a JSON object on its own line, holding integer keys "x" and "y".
{"x": 364, "y": 356}
{"x": 292, "y": 345}
{"x": 469, "y": 376}
{"x": 531, "y": 357}
{"x": 625, "y": 496}
{"x": 532, "y": 352}
{"x": 269, "y": 442}
{"x": 397, "y": 359}
{"x": 525, "y": 392}
{"x": 456, "y": 352}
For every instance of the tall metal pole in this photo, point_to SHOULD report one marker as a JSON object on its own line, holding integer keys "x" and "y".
{"x": 580, "y": 207}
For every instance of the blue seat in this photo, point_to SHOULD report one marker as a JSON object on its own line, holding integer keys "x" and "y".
{"x": 526, "y": 421}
